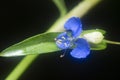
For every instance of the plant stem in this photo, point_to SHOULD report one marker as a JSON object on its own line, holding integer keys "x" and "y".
{"x": 81, "y": 9}
{"x": 112, "y": 42}
{"x": 61, "y": 7}
{"x": 21, "y": 67}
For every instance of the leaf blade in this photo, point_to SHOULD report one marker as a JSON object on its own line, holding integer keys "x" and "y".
{"x": 41, "y": 43}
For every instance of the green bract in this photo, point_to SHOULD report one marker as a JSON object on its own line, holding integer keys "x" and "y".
{"x": 99, "y": 46}
{"x": 95, "y": 45}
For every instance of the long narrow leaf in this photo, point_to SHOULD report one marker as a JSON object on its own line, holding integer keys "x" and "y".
{"x": 41, "y": 43}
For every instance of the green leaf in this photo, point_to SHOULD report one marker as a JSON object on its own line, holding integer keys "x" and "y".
{"x": 100, "y": 46}
{"x": 41, "y": 43}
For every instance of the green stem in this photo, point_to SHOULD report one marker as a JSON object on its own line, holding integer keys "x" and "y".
{"x": 112, "y": 42}
{"x": 81, "y": 9}
{"x": 21, "y": 67}
{"x": 61, "y": 7}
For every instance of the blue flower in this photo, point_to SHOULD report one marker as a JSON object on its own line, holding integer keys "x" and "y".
{"x": 70, "y": 40}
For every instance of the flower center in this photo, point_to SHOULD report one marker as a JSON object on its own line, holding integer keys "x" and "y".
{"x": 64, "y": 42}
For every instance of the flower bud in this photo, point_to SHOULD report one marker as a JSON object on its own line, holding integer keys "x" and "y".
{"x": 94, "y": 37}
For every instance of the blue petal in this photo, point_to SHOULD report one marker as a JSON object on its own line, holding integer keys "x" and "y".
{"x": 74, "y": 25}
{"x": 82, "y": 49}
{"x": 62, "y": 41}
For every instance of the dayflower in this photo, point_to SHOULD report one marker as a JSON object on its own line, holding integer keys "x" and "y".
{"x": 69, "y": 39}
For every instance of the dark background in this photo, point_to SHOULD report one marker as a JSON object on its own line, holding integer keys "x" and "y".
{"x": 21, "y": 19}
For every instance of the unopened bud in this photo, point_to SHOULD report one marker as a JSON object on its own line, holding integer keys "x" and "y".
{"x": 94, "y": 37}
